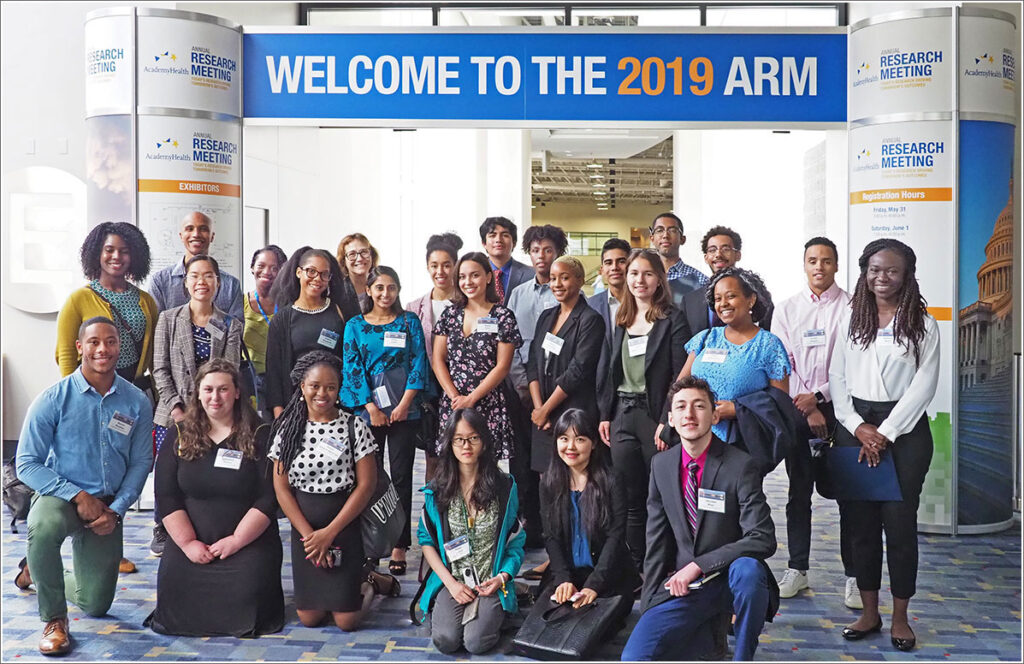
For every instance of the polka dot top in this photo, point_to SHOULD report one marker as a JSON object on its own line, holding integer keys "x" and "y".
{"x": 324, "y": 463}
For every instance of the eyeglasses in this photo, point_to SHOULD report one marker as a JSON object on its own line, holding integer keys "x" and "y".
{"x": 471, "y": 441}
{"x": 313, "y": 273}
{"x": 360, "y": 253}
{"x": 663, "y": 230}
{"x": 724, "y": 250}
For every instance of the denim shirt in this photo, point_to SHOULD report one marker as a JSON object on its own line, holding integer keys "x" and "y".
{"x": 168, "y": 289}
{"x": 67, "y": 446}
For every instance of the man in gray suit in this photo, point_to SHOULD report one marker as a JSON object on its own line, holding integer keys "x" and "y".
{"x": 614, "y": 255}
{"x": 709, "y": 531}
{"x": 499, "y": 236}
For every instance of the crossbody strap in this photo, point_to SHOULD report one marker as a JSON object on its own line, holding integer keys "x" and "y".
{"x": 120, "y": 319}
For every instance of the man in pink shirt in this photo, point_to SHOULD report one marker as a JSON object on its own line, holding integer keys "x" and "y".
{"x": 808, "y": 324}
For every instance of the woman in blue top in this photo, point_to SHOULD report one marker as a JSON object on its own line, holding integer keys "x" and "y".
{"x": 385, "y": 369}
{"x": 740, "y": 357}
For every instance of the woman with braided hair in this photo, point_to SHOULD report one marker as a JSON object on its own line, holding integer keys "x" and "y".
{"x": 324, "y": 477}
{"x": 882, "y": 377}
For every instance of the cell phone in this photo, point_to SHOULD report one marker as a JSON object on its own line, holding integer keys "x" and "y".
{"x": 469, "y": 578}
{"x": 335, "y": 554}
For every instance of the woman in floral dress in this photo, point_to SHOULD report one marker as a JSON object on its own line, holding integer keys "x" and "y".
{"x": 474, "y": 341}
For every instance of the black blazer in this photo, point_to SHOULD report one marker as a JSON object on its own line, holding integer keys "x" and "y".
{"x": 664, "y": 360}
{"x": 599, "y": 303}
{"x": 744, "y": 529}
{"x": 574, "y": 369}
{"x": 614, "y": 572}
{"x": 695, "y": 306}
{"x": 518, "y": 273}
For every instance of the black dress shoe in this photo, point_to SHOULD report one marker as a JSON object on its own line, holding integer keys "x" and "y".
{"x": 851, "y": 634}
{"x": 906, "y": 645}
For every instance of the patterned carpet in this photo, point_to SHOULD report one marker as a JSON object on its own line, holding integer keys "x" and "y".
{"x": 968, "y": 608}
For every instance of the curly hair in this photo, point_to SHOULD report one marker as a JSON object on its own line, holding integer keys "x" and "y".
{"x": 908, "y": 327}
{"x": 750, "y": 283}
{"x": 553, "y": 234}
{"x": 193, "y": 442}
{"x": 292, "y": 423}
{"x": 138, "y": 247}
{"x": 450, "y": 243}
{"x": 737, "y": 241}
{"x": 286, "y": 287}
{"x": 351, "y": 237}
{"x": 459, "y": 299}
{"x": 661, "y": 303}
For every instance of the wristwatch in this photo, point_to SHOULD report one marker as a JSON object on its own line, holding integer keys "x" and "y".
{"x": 819, "y": 397}
{"x": 119, "y": 518}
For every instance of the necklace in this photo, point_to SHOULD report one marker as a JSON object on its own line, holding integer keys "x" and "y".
{"x": 326, "y": 304}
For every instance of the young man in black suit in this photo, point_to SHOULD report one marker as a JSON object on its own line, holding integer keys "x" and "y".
{"x": 709, "y": 531}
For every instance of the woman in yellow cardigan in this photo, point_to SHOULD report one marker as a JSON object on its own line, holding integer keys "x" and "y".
{"x": 112, "y": 253}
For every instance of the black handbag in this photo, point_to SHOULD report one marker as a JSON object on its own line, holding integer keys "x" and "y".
{"x": 819, "y": 466}
{"x": 382, "y": 521}
{"x": 561, "y": 633}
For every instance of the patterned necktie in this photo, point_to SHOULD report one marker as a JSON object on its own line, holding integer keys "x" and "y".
{"x": 498, "y": 286}
{"x": 690, "y": 496}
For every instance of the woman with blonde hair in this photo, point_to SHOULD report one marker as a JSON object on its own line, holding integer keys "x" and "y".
{"x": 357, "y": 257}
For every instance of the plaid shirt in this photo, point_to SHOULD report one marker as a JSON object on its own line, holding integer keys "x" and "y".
{"x": 681, "y": 270}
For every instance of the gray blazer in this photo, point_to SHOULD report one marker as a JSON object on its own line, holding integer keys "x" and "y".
{"x": 599, "y": 303}
{"x": 174, "y": 358}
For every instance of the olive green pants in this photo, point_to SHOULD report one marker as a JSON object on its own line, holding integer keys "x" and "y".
{"x": 96, "y": 558}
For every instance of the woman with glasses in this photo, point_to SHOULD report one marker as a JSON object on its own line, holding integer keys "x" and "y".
{"x": 313, "y": 307}
{"x": 471, "y": 539}
{"x": 357, "y": 257}
{"x": 647, "y": 353}
{"x": 258, "y": 308}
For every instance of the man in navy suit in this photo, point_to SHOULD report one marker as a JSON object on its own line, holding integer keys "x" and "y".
{"x": 499, "y": 236}
{"x": 614, "y": 254}
{"x": 709, "y": 531}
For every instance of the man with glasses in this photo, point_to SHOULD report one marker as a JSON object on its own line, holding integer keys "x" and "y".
{"x": 168, "y": 285}
{"x": 722, "y": 249}
{"x": 667, "y": 237}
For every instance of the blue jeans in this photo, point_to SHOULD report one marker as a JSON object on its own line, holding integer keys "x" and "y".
{"x": 680, "y": 628}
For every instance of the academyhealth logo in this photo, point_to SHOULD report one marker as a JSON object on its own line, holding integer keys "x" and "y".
{"x": 166, "y": 54}
{"x": 864, "y": 75}
{"x": 865, "y": 162}
{"x": 863, "y": 153}
{"x": 166, "y": 142}
{"x": 168, "y": 149}
{"x": 864, "y": 66}
{"x": 985, "y": 58}
{"x": 995, "y": 65}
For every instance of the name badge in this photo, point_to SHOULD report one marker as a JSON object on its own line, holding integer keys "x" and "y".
{"x": 714, "y": 355}
{"x": 121, "y": 423}
{"x": 330, "y": 448}
{"x": 458, "y": 548}
{"x": 487, "y": 325}
{"x": 884, "y": 337}
{"x": 381, "y": 398}
{"x": 230, "y": 459}
{"x": 637, "y": 346}
{"x": 394, "y": 339}
{"x": 711, "y": 501}
{"x": 814, "y": 338}
{"x": 553, "y": 343}
{"x": 328, "y": 338}
{"x": 214, "y": 331}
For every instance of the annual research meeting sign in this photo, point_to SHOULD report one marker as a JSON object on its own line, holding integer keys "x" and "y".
{"x": 534, "y": 76}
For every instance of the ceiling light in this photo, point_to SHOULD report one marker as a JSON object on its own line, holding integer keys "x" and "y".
{"x": 596, "y": 175}
{"x": 600, "y": 193}
{"x": 593, "y": 165}
{"x": 598, "y": 184}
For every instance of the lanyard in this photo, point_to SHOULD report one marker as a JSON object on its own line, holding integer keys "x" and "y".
{"x": 259, "y": 306}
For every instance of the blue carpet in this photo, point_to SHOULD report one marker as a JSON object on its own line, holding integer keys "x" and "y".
{"x": 968, "y": 608}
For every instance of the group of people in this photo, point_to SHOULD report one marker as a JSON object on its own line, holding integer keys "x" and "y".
{"x": 627, "y": 433}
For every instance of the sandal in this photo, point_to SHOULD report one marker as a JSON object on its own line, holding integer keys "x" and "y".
{"x": 22, "y": 569}
{"x": 398, "y": 567}
{"x": 384, "y": 584}
{"x": 532, "y": 574}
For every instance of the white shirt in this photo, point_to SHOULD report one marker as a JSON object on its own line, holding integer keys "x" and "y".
{"x": 438, "y": 307}
{"x": 883, "y": 372}
{"x": 806, "y": 312}
{"x": 319, "y": 467}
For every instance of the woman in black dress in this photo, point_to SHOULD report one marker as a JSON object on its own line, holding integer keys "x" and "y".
{"x": 324, "y": 475}
{"x": 220, "y": 574}
{"x": 314, "y": 305}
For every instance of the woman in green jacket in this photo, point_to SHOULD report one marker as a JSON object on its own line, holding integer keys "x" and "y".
{"x": 471, "y": 538}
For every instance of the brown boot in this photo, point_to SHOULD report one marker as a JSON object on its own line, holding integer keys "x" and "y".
{"x": 126, "y": 567}
{"x": 23, "y": 579}
{"x": 56, "y": 639}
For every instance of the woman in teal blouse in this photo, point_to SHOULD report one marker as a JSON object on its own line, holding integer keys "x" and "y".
{"x": 385, "y": 368}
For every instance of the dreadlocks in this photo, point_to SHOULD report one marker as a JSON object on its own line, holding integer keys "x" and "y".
{"x": 292, "y": 423}
{"x": 908, "y": 326}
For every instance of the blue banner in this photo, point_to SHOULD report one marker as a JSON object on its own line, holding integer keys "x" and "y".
{"x": 536, "y": 77}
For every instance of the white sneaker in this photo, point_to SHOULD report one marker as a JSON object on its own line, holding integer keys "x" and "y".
{"x": 853, "y": 600}
{"x": 793, "y": 581}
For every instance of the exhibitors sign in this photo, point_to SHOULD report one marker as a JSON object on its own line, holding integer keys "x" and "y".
{"x": 988, "y": 66}
{"x": 547, "y": 76}
{"x": 189, "y": 64}
{"x": 186, "y": 165}
{"x": 901, "y": 67}
{"x": 109, "y": 65}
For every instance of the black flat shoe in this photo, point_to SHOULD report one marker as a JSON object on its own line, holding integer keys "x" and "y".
{"x": 851, "y": 634}
{"x": 906, "y": 645}
{"x": 397, "y": 567}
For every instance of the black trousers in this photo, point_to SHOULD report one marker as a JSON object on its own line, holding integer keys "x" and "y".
{"x": 401, "y": 441}
{"x": 527, "y": 481}
{"x": 911, "y": 454}
{"x": 798, "y": 508}
{"x": 633, "y": 447}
